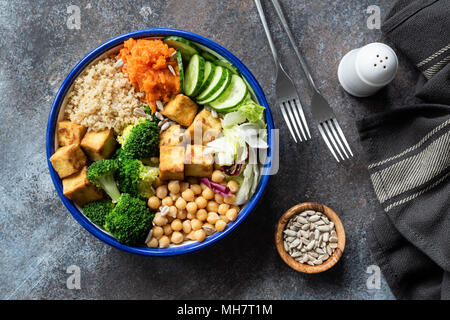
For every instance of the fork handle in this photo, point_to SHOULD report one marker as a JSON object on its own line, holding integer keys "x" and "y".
{"x": 266, "y": 29}
{"x": 305, "y": 68}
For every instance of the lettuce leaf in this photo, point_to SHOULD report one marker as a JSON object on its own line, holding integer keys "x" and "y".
{"x": 251, "y": 110}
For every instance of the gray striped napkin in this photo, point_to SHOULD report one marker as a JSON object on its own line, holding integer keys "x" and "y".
{"x": 408, "y": 150}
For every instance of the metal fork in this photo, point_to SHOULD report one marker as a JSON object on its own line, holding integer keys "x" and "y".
{"x": 287, "y": 96}
{"x": 321, "y": 110}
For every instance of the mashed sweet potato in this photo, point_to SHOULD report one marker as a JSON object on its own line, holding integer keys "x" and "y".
{"x": 146, "y": 62}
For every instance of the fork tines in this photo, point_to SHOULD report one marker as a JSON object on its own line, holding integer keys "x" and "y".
{"x": 295, "y": 118}
{"x": 334, "y": 139}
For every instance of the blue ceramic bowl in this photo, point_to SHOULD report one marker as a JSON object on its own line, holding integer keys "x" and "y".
{"x": 54, "y": 116}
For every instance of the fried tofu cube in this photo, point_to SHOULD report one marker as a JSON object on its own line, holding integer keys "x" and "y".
{"x": 99, "y": 145}
{"x": 68, "y": 133}
{"x": 181, "y": 109}
{"x": 78, "y": 188}
{"x": 171, "y": 136}
{"x": 171, "y": 163}
{"x": 198, "y": 164}
{"x": 204, "y": 129}
{"x": 68, "y": 160}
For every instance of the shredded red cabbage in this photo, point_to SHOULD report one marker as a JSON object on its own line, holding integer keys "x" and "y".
{"x": 217, "y": 187}
{"x": 233, "y": 170}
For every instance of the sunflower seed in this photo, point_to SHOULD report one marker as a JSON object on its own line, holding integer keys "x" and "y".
{"x": 333, "y": 233}
{"x": 333, "y": 239}
{"x": 305, "y": 227}
{"x": 164, "y": 210}
{"x": 329, "y": 250}
{"x": 310, "y": 212}
{"x": 299, "y": 247}
{"x": 303, "y": 250}
{"x": 214, "y": 113}
{"x": 119, "y": 63}
{"x": 149, "y": 236}
{"x": 317, "y": 261}
{"x": 310, "y": 263}
{"x": 311, "y": 226}
{"x": 286, "y": 246}
{"x": 316, "y": 234}
{"x": 290, "y": 239}
{"x": 333, "y": 245}
{"x": 305, "y": 241}
{"x": 310, "y": 245}
{"x": 324, "y": 257}
{"x": 325, "y": 219}
{"x": 311, "y": 236}
{"x": 331, "y": 225}
{"x": 295, "y": 243}
{"x": 159, "y": 105}
{"x": 208, "y": 230}
{"x": 320, "y": 251}
{"x": 313, "y": 254}
{"x": 159, "y": 116}
{"x": 165, "y": 126}
{"x": 304, "y": 214}
{"x": 296, "y": 254}
{"x": 302, "y": 220}
{"x": 314, "y": 218}
{"x": 290, "y": 233}
{"x": 304, "y": 234}
{"x": 326, "y": 236}
{"x": 319, "y": 223}
{"x": 323, "y": 228}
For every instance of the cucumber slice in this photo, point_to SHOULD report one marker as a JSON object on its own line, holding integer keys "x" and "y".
{"x": 209, "y": 75}
{"x": 222, "y": 89}
{"x": 219, "y": 77}
{"x": 209, "y": 56}
{"x": 232, "y": 96}
{"x": 187, "y": 48}
{"x": 195, "y": 73}
{"x": 228, "y": 65}
{"x": 180, "y": 70}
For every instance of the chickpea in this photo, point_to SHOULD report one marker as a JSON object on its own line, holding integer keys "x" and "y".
{"x": 196, "y": 189}
{"x": 167, "y": 230}
{"x": 191, "y": 207}
{"x": 231, "y": 214}
{"x": 203, "y": 186}
{"x": 233, "y": 186}
{"x": 218, "y": 198}
{"x": 209, "y": 229}
{"x": 201, "y": 202}
{"x": 181, "y": 214}
{"x": 159, "y": 220}
{"x": 164, "y": 242}
{"x": 158, "y": 182}
{"x": 236, "y": 207}
{"x": 188, "y": 195}
{"x": 154, "y": 202}
{"x": 202, "y": 214}
{"x": 212, "y": 217}
{"x": 220, "y": 225}
{"x": 170, "y": 219}
{"x": 196, "y": 224}
{"x": 190, "y": 235}
{"x": 174, "y": 196}
{"x": 157, "y": 232}
{"x": 230, "y": 199}
{"x": 217, "y": 176}
{"x": 174, "y": 186}
{"x": 153, "y": 243}
{"x": 180, "y": 203}
{"x": 208, "y": 194}
{"x": 184, "y": 186}
{"x": 190, "y": 216}
{"x": 212, "y": 206}
{"x": 177, "y": 237}
{"x": 167, "y": 201}
{"x": 192, "y": 180}
{"x": 199, "y": 235}
{"x": 176, "y": 225}
{"x": 224, "y": 218}
{"x": 161, "y": 191}
{"x": 223, "y": 208}
{"x": 173, "y": 212}
{"x": 187, "y": 228}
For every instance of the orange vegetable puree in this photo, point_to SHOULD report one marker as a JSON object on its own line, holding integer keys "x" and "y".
{"x": 147, "y": 64}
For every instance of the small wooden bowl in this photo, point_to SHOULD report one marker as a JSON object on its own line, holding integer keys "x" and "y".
{"x": 306, "y": 268}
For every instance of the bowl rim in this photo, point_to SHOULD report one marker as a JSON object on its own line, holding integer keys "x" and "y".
{"x": 58, "y": 101}
{"x": 302, "y": 267}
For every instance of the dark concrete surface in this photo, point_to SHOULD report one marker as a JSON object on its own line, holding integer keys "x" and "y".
{"x": 39, "y": 239}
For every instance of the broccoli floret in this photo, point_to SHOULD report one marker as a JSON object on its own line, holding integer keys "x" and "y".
{"x": 97, "y": 211}
{"x": 130, "y": 220}
{"x": 135, "y": 178}
{"x": 141, "y": 140}
{"x": 101, "y": 174}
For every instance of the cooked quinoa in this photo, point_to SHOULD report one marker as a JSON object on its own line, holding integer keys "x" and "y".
{"x": 102, "y": 98}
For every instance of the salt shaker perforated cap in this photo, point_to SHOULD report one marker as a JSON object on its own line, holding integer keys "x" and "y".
{"x": 364, "y": 71}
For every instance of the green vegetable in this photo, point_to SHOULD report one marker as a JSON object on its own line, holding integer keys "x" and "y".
{"x": 140, "y": 140}
{"x": 136, "y": 179}
{"x": 101, "y": 174}
{"x": 130, "y": 220}
{"x": 252, "y": 111}
{"x": 97, "y": 211}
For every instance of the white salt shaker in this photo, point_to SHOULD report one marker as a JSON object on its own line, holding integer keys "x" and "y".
{"x": 364, "y": 71}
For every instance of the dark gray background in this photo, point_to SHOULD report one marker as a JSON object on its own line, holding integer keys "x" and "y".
{"x": 38, "y": 237}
